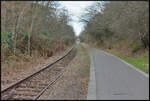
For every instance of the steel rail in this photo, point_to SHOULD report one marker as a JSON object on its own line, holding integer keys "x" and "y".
{"x": 19, "y": 82}
{"x": 50, "y": 83}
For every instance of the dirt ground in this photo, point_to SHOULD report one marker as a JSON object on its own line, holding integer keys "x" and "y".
{"x": 15, "y": 71}
{"x": 73, "y": 85}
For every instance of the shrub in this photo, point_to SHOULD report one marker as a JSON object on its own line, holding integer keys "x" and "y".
{"x": 136, "y": 48}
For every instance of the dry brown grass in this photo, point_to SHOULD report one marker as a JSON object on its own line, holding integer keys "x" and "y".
{"x": 73, "y": 85}
{"x": 123, "y": 48}
{"x": 16, "y": 69}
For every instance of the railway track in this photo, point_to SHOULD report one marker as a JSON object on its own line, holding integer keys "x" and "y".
{"x": 33, "y": 86}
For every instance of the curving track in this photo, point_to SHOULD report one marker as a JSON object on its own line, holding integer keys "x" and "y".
{"x": 32, "y": 87}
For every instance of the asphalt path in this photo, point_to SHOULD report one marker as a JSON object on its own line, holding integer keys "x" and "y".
{"x": 114, "y": 79}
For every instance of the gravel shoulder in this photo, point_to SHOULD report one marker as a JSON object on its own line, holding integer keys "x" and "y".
{"x": 73, "y": 85}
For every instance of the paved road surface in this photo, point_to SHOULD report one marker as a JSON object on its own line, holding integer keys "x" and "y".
{"x": 115, "y": 79}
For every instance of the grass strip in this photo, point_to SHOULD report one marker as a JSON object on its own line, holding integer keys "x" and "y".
{"x": 140, "y": 63}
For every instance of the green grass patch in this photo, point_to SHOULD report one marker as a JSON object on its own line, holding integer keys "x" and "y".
{"x": 141, "y": 63}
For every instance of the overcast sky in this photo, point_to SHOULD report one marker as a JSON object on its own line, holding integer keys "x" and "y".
{"x": 76, "y": 8}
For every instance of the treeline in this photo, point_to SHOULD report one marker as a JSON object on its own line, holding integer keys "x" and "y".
{"x": 34, "y": 26}
{"x": 109, "y": 23}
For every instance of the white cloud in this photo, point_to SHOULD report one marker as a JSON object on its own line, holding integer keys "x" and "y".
{"x": 76, "y": 8}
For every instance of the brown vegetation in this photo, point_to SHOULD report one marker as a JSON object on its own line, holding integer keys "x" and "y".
{"x": 32, "y": 31}
{"x": 123, "y": 25}
{"x": 34, "y": 27}
{"x": 73, "y": 85}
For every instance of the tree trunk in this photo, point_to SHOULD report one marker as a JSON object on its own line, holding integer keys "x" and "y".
{"x": 4, "y": 9}
{"x": 30, "y": 31}
{"x": 18, "y": 20}
{"x": 15, "y": 35}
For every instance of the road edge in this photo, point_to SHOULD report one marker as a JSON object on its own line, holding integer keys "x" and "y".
{"x": 92, "y": 82}
{"x": 130, "y": 65}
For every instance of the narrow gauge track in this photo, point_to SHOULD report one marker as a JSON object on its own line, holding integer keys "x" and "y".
{"x": 33, "y": 86}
